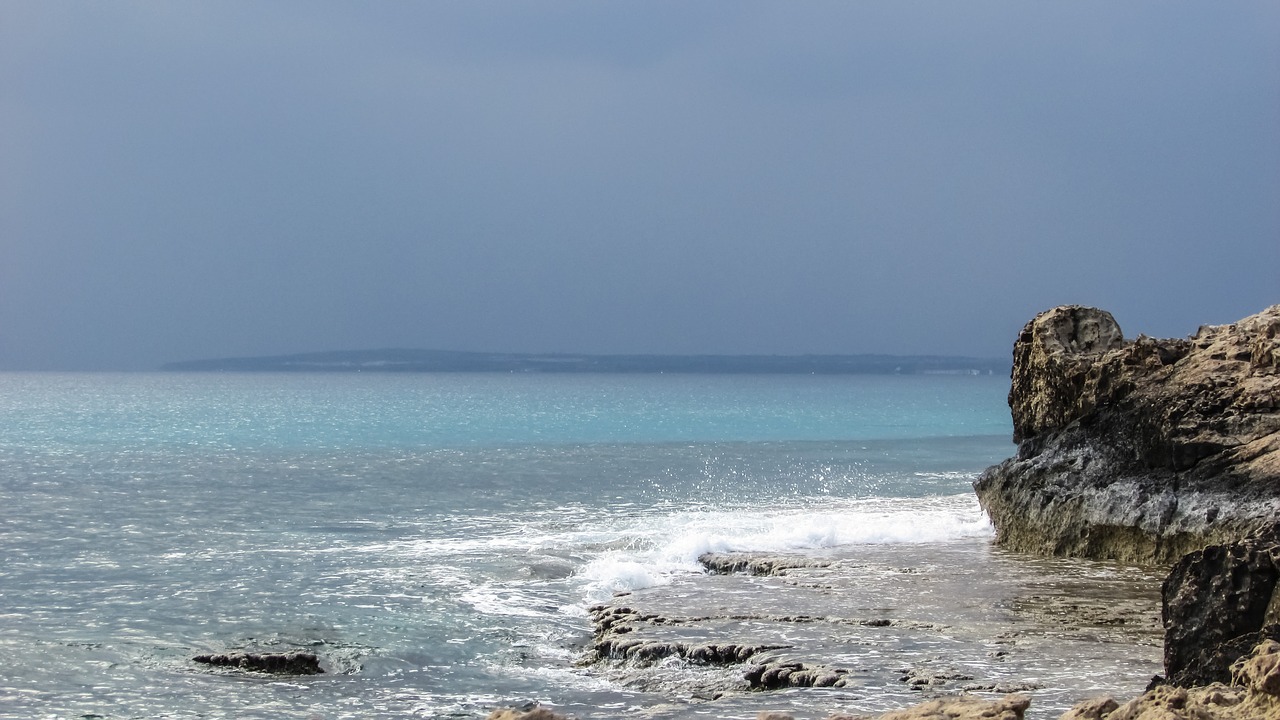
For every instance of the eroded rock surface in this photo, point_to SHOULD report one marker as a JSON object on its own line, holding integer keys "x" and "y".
{"x": 1138, "y": 450}
{"x": 1218, "y": 604}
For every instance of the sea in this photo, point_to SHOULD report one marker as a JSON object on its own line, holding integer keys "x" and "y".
{"x": 438, "y": 539}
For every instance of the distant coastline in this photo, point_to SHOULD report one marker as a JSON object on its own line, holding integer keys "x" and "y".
{"x": 456, "y": 361}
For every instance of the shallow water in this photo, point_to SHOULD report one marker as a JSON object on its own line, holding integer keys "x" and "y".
{"x": 436, "y": 539}
{"x": 960, "y": 615}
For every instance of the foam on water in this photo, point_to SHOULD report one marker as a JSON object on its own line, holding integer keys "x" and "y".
{"x": 437, "y": 538}
{"x": 658, "y": 548}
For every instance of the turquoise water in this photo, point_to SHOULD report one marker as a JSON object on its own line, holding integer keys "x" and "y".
{"x": 435, "y": 538}
{"x": 435, "y": 411}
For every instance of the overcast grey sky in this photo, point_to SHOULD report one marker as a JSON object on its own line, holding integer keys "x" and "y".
{"x": 209, "y": 179}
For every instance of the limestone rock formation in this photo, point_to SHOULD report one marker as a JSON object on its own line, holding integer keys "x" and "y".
{"x": 1254, "y": 695}
{"x": 1051, "y": 362}
{"x": 1138, "y": 450}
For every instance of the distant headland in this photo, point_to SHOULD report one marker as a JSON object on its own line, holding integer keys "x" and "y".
{"x": 455, "y": 361}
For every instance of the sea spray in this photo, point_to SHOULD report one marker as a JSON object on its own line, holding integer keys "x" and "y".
{"x": 657, "y": 548}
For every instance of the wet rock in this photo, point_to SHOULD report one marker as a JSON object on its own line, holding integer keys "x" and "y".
{"x": 1138, "y": 450}
{"x": 779, "y": 674}
{"x": 756, "y": 563}
{"x": 920, "y": 678}
{"x": 654, "y": 651}
{"x": 1217, "y": 605}
{"x": 297, "y": 663}
{"x": 614, "y": 640}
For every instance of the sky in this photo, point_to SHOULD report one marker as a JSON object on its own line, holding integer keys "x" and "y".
{"x": 222, "y": 178}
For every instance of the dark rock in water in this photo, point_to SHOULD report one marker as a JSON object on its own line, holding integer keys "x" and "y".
{"x": 297, "y": 663}
{"x": 1138, "y": 450}
{"x": 1254, "y": 695}
{"x": 614, "y": 641}
{"x": 1217, "y": 605}
{"x": 782, "y": 674}
{"x": 925, "y": 677}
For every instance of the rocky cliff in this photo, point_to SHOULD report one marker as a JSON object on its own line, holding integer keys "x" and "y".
{"x": 1138, "y": 450}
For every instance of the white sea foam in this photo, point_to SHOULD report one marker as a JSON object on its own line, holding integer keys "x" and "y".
{"x": 663, "y": 547}
{"x": 628, "y": 548}
{"x": 503, "y": 601}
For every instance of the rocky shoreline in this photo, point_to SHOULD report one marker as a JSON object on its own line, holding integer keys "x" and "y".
{"x": 1137, "y": 527}
{"x": 1147, "y": 452}
{"x": 1158, "y": 451}
{"x": 1254, "y": 694}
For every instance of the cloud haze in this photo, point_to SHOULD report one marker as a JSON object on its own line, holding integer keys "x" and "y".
{"x": 208, "y": 179}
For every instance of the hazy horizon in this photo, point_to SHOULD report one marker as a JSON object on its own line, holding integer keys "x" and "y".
{"x": 236, "y": 179}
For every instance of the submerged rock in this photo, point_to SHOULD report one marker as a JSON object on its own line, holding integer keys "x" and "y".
{"x": 296, "y": 663}
{"x": 532, "y": 711}
{"x": 1138, "y": 450}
